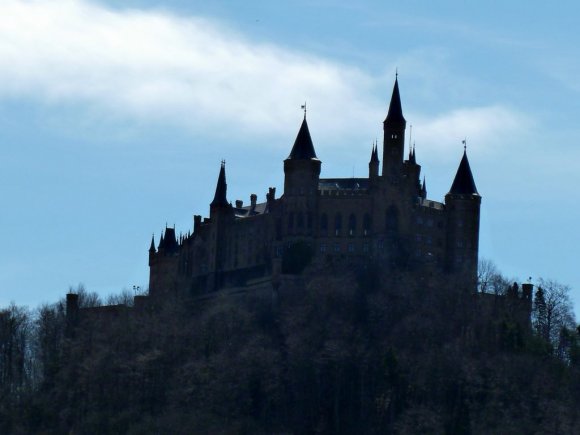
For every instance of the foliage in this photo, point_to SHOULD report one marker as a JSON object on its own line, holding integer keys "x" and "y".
{"x": 367, "y": 352}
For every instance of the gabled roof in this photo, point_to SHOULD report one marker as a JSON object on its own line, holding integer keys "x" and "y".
{"x": 395, "y": 115}
{"x": 220, "y": 198}
{"x": 463, "y": 184}
{"x": 303, "y": 148}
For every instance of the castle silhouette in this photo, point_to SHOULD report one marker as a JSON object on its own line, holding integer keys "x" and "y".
{"x": 386, "y": 219}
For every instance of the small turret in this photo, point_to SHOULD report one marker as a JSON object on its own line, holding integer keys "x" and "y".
{"x": 463, "y": 210}
{"x": 302, "y": 167}
{"x": 463, "y": 184}
{"x": 394, "y": 135}
{"x": 412, "y": 158}
{"x": 424, "y": 189}
{"x": 152, "y": 247}
{"x": 220, "y": 197}
{"x": 374, "y": 163}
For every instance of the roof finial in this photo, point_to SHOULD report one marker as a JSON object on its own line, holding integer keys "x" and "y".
{"x": 464, "y": 142}
{"x": 396, "y": 73}
{"x": 303, "y": 107}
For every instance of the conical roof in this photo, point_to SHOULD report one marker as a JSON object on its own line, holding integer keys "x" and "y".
{"x": 152, "y": 247}
{"x": 374, "y": 155}
{"x": 395, "y": 114}
{"x": 303, "y": 148}
{"x": 463, "y": 184}
{"x": 220, "y": 198}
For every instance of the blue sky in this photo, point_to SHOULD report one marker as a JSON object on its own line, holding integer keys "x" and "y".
{"x": 114, "y": 117}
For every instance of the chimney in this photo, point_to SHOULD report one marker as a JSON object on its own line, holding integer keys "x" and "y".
{"x": 253, "y": 199}
{"x": 239, "y": 203}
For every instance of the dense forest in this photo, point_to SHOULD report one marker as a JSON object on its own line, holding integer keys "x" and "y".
{"x": 349, "y": 352}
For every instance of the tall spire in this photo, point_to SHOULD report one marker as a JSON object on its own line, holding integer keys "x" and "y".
{"x": 303, "y": 148}
{"x": 152, "y": 247}
{"x": 395, "y": 114}
{"x": 412, "y": 158}
{"x": 424, "y": 188}
{"x": 219, "y": 198}
{"x": 374, "y": 154}
{"x": 463, "y": 184}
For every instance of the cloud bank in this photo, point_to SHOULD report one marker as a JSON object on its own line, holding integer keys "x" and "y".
{"x": 189, "y": 71}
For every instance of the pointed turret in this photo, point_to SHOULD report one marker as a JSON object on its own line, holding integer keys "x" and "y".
{"x": 394, "y": 136}
{"x": 463, "y": 184}
{"x": 395, "y": 114}
{"x": 220, "y": 199}
{"x": 303, "y": 148}
{"x": 374, "y": 163}
{"x": 463, "y": 204}
{"x": 412, "y": 158}
{"x": 374, "y": 154}
{"x": 152, "y": 247}
{"x": 302, "y": 167}
{"x": 424, "y": 189}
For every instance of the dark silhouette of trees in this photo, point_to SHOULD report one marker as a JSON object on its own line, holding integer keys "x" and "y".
{"x": 351, "y": 350}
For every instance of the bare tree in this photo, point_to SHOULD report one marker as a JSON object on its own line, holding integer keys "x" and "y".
{"x": 490, "y": 279}
{"x": 553, "y": 310}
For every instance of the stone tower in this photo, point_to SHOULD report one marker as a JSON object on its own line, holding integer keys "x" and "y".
{"x": 462, "y": 204}
{"x": 394, "y": 137}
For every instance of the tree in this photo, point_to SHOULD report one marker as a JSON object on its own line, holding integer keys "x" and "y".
{"x": 553, "y": 311}
{"x": 490, "y": 279}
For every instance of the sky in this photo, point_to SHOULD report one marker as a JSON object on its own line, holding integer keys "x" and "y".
{"x": 114, "y": 117}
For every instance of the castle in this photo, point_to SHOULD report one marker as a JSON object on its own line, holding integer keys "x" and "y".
{"x": 385, "y": 218}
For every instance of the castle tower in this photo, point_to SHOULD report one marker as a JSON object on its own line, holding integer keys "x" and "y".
{"x": 394, "y": 136}
{"x": 301, "y": 177}
{"x": 302, "y": 167}
{"x": 374, "y": 164}
{"x": 463, "y": 204}
{"x": 220, "y": 202}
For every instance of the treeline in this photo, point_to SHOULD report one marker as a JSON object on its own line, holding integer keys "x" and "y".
{"x": 369, "y": 352}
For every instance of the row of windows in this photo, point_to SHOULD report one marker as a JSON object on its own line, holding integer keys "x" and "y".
{"x": 300, "y": 221}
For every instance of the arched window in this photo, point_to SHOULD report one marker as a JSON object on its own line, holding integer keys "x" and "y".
{"x": 323, "y": 224}
{"x": 351, "y": 225}
{"x": 337, "y": 224}
{"x": 367, "y": 224}
{"x": 300, "y": 220}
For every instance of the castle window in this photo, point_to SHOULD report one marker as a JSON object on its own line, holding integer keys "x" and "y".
{"x": 381, "y": 244}
{"x": 418, "y": 237}
{"x": 419, "y": 220}
{"x": 350, "y": 247}
{"x": 337, "y": 247}
{"x": 459, "y": 222}
{"x": 290, "y": 221}
{"x": 309, "y": 220}
{"x": 323, "y": 247}
{"x": 365, "y": 247}
{"x": 323, "y": 223}
{"x": 459, "y": 244}
{"x": 430, "y": 223}
{"x": 337, "y": 224}
{"x": 367, "y": 224}
{"x": 351, "y": 225}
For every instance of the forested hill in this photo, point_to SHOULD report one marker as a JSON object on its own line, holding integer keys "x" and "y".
{"x": 345, "y": 354}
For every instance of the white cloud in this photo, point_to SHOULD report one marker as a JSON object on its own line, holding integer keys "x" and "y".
{"x": 191, "y": 71}
{"x": 154, "y": 65}
{"x": 485, "y": 128}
